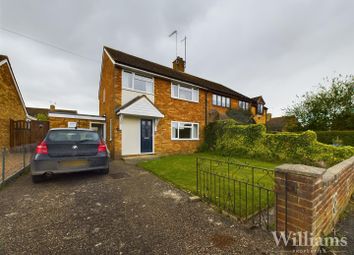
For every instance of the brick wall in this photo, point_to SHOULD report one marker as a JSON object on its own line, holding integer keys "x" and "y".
{"x": 10, "y": 105}
{"x": 315, "y": 196}
{"x": 176, "y": 110}
{"x": 56, "y": 122}
{"x": 110, "y": 85}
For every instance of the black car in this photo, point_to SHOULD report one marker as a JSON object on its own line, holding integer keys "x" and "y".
{"x": 66, "y": 150}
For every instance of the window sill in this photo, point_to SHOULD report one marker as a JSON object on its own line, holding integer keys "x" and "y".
{"x": 194, "y": 139}
{"x": 191, "y": 101}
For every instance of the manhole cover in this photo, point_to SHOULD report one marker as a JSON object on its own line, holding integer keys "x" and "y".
{"x": 118, "y": 175}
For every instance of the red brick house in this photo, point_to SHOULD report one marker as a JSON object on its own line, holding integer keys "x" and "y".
{"x": 12, "y": 105}
{"x": 154, "y": 109}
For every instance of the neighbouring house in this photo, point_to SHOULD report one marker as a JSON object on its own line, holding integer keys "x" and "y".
{"x": 63, "y": 118}
{"x": 154, "y": 109}
{"x": 258, "y": 111}
{"x": 43, "y": 112}
{"x": 12, "y": 106}
{"x": 281, "y": 124}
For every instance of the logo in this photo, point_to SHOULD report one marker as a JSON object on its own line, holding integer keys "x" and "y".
{"x": 306, "y": 239}
{"x": 75, "y": 147}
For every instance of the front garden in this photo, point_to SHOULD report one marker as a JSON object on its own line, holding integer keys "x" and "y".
{"x": 220, "y": 187}
{"x": 234, "y": 169}
{"x": 181, "y": 169}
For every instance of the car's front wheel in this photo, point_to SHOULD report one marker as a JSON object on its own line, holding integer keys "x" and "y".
{"x": 37, "y": 178}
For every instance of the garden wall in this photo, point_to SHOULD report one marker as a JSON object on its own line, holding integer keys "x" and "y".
{"x": 227, "y": 138}
{"x": 311, "y": 199}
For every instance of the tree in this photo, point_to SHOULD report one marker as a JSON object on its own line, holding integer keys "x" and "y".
{"x": 41, "y": 117}
{"x": 329, "y": 107}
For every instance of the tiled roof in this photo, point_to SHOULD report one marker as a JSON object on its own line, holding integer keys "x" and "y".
{"x": 133, "y": 61}
{"x": 33, "y": 111}
{"x": 276, "y": 123}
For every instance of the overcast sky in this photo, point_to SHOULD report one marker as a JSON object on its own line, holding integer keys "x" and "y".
{"x": 278, "y": 49}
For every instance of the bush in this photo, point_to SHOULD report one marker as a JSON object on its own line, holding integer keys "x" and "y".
{"x": 229, "y": 139}
{"x": 330, "y": 137}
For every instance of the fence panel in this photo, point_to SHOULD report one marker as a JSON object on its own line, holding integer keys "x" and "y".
{"x": 15, "y": 160}
{"x": 39, "y": 130}
{"x": 245, "y": 191}
{"x": 27, "y": 132}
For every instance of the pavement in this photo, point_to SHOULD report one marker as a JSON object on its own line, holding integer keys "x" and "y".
{"x": 128, "y": 211}
{"x": 345, "y": 228}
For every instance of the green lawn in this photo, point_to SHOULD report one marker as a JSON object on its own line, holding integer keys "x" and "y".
{"x": 235, "y": 196}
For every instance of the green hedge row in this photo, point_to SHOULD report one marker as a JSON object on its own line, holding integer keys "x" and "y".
{"x": 333, "y": 137}
{"x": 227, "y": 138}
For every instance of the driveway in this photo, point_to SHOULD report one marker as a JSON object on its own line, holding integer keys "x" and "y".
{"x": 128, "y": 211}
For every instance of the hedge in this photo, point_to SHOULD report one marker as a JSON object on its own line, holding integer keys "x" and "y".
{"x": 227, "y": 138}
{"x": 331, "y": 137}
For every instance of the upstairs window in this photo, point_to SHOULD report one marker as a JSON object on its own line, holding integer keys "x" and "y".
{"x": 184, "y": 131}
{"x": 221, "y": 101}
{"x": 138, "y": 82}
{"x": 244, "y": 105}
{"x": 184, "y": 92}
{"x": 260, "y": 109}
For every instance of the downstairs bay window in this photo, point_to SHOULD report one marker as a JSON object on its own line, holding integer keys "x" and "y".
{"x": 184, "y": 131}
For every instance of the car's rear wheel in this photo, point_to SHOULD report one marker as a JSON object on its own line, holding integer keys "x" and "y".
{"x": 104, "y": 171}
{"x": 37, "y": 178}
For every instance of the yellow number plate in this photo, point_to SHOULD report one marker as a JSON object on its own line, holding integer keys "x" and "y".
{"x": 74, "y": 164}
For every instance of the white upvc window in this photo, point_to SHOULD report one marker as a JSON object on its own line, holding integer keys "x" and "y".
{"x": 221, "y": 101}
{"x": 244, "y": 105}
{"x": 184, "y": 92}
{"x": 136, "y": 82}
{"x": 214, "y": 99}
{"x": 260, "y": 109}
{"x": 228, "y": 102}
{"x": 184, "y": 130}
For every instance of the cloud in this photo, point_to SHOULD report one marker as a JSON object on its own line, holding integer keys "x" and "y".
{"x": 272, "y": 48}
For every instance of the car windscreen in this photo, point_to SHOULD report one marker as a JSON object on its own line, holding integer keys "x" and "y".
{"x": 72, "y": 136}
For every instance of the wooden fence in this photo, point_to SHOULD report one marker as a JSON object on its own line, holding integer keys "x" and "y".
{"x": 27, "y": 132}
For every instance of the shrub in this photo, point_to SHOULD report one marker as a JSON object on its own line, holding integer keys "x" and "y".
{"x": 229, "y": 139}
{"x": 331, "y": 137}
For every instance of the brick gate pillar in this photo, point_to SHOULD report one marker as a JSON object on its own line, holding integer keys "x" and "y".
{"x": 298, "y": 188}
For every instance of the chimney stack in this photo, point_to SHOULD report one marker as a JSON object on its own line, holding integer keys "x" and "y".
{"x": 179, "y": 64}
{"x": 52, "y": 108}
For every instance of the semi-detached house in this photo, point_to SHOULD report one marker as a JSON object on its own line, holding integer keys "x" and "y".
{"x": 153, "y": 109}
